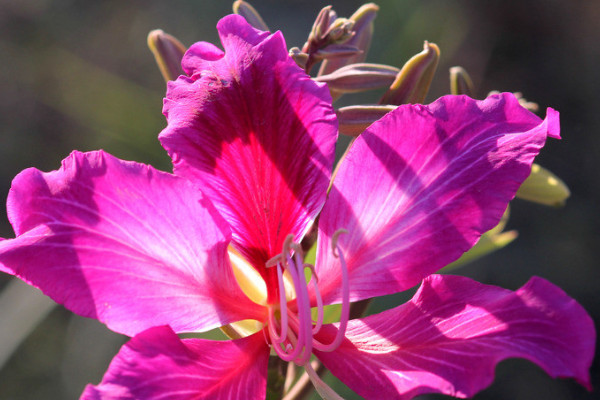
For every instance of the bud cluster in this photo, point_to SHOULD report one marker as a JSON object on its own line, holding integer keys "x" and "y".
{"x": 341, "y": 45}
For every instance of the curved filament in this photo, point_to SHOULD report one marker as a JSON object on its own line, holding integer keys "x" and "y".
{"x": 320, "y": 311}
{"x": 279, "y": 338}
{"x": 292, "y": 334}
{"x": 345, "y": 315}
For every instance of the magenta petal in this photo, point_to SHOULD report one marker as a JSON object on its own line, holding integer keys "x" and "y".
{"x": 419, "y": 187}
{"x": 156, "y": 364}
{"x": 124, "y": 243}
{"x": 450, "y": 336}
{"x": 198, "y": 54}
{"x": 257, "y": 133}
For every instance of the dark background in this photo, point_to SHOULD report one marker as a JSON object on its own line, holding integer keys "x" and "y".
{"x": 77, "y": 74}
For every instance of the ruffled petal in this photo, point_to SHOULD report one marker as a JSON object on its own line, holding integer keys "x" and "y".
{"x": 256, "y": 132}
{"x": 419, "y": 187}
{"x": 198, "y": 54}
{"x": 450, "y": 336}
{"x": 124, "y": 243}
{"x": 156, "y": 364}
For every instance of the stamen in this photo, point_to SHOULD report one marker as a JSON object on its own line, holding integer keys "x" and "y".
{"x": 315, "y": 281}
{"x": 274, "y": 261}
{"x": 290, "y": 352}
{"x": 265, "y": 337}
{"x": 312, "y": 271}
{"x": 287, "y": 245}
{"x": 292, "y": 334}
{"x": 345, "y": 315}
{"x": 279, "y": 338}
{"x": 334, "y": 240}
{"x": 302, "y": 300}
{"x": 302, "y": 345}
{"x": 320, "y": 311}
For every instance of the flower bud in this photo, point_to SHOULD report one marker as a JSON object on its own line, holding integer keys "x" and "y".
{"x": 299, "y": 57}
{"x": 543, "y": 187}
{"x": 340, "y": 31}
{"x": 353, "y": 120}
{"x": 460, "y": 82}
{"x": 335, "y": 51}
{"x": 168, "y": 52}
{"x": 319, "y": 29}
{"x": 413, "y": 81}
{"x": 359, "y": 77}
{"x": 530, "y": 105}
{"x": 363, "y": 33}
{"x": 244, "y": 9}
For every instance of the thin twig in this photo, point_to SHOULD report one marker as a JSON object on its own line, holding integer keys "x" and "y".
{"x": 302, "y": 386}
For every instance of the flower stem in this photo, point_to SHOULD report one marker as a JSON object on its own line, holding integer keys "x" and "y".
{"x": 303, "y": 385}
{"x": 275, "y": 378}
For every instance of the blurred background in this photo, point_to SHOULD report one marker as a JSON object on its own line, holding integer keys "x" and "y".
{"x": 77, "y": 74}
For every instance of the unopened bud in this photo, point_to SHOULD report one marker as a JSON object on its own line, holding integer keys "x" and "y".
{"x": 320, "y": 27}
{"x": 530, "y": 105}
{"x": 543, "y": 187}
{"x": 363, "y": 32}
{"x": 413, "y": 81}
{"x": 353, "y": 120}
{"x": 460, "y": 82}
{"x": 359, "y": 77}
{"x": 340, "y": 31}
{"x": 252, "y": 16}
{"x": 168, "y": 52}
{"x": 335, "y": 51}
{"x": 299, "y": 57}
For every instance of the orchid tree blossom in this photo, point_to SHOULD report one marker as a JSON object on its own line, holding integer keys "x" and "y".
{"x": 252, "y": 138}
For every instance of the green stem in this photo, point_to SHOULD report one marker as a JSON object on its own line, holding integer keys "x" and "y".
{"x": 276, "y": 378}
{"x": 303, "y": 385}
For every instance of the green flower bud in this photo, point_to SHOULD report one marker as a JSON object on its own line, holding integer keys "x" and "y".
{"x": 318, "y": 31}
{"x": 250, "y": 14}
{"x": 543, "y": 187}
{"x": 299, "y": 57}
{"x": 359, "y": 77}
{"x": 363, "y": 32}
{"x": 335, "y": 51}
{"x": 353, "y": 120}
{"x": 340, "y": 31}
{"x": 168, "y": 52}
{"x": 413, "y": 81}
{"x": 460, "y": 82}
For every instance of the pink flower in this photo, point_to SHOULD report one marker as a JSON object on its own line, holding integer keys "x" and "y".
{"x": 252, "y": 141}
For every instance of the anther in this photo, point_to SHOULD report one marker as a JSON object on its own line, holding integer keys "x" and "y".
{"x": 334, "y": 241}
{"x": 273, "y": 261}
{"x": 345, "y": 314}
